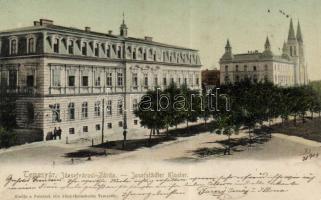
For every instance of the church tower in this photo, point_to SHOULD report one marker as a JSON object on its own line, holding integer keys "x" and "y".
{"x": 228, "y": 51}
{"x": 302, "y": 65}
{"x": 123, "y": 28}
{"x": 293, "y": 53}
{"x": 267, "y": 47}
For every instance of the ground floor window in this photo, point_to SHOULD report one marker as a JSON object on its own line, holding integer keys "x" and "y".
{"x": 71, "y": 130}
{"x": 135, "y": 122}
{"x": 120, "y": 123}
{"x": 110, "y": 125}
{"x": 85, "y": 129}
{"x": 97, "y": 127}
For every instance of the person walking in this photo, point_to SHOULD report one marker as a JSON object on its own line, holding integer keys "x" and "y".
{"x": 59, "y": 133}
{"x": 55, "y": 133}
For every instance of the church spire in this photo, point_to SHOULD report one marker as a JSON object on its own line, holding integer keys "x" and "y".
{"x": 228, "y": 47}
{"x": 291, "y": 35}
{"x": 267, "y": 44}
{"x": 123, "y": 28}
{"x": 299, "y": 34}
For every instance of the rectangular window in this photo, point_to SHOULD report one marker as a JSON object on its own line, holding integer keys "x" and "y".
{"x": 97, "y": 79}
{"x": 135, "y": 104}
{"x": 120, "y": 107}
{"x": 84, "y": 49}
{"x": 12, "y": 79}
{"x": 97, "y": 127}
{"x": 97, "y": 108}
{"x": 97, "y": 50}
{"x": 71, "y": 111}
{"x": 71, "y": 81}
{"x": 185, "y": 81}
{"x": 13, "y": 47}
{"x": 172, "y": 80}
{"x": 120, "y": 123}
{"x": 108, "y": 51}
{"x": 56, "y": 46}
{"x": 30, "y": 81}
{"x": 146, "y": 80}
{"x": 71, "y": 131}
{"x": 55, "y": 108}
{"x": 135, "y": 80}
{"x": 155, "y": 80}
{"x": 120, "y": 79}
{"x": 135, "y": 122}
{"x": 56, "y": 77}
{"x": 85, "y": 129}
{"x": 109, "y": 125}
{"x": 109, "y": 107}
{"x": 85, "y": 81}
{"x": 164, "y": 81}
{"x": 197, "y": 81}
{"x": 109, "y": 79}
{"x": 71, "y": 47}
{"x": 84, "y": 110}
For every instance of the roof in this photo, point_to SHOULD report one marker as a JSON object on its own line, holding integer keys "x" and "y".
{"x": 91, "y": 33}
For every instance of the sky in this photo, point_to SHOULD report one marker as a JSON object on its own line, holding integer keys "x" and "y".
{"x": 199, "y": 24}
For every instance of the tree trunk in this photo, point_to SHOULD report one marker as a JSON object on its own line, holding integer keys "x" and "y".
{"x": 150, "y": 137}
{"x": 250, "y": 137}
{"x": 229, "y": 145}
{"x": 294, "y": 121}
{"x": 319, "y": 114}
{"x": 186, "y": 123}
{"x": 312, "y": 115}
{"x": 303, "y": 118}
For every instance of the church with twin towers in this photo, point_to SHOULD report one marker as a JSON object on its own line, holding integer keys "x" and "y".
{"x": 288, "y": 69}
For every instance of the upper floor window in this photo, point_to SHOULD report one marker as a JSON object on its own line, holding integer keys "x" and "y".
{"x": 254, "y": 68}
{"x": 109, "y": 79}
{"x": 164, "y": 81}
{"x": 97, "y": 79}
{"x": 55, "y": 112}
{"x": 71, "y": 111}
{"x": 85, "y": 81}
{"x": 134, "y": 54}
{"x": 145, "y": 80}
{"x": 135, "y": 104}
{"x": 155, "y": 80}
{"x": 56, "y": 77}
{"x": 97, "y": 108}
{"x": 135, "y": 79}
{"x": 119, "y": 52}
{"x": 12, "y": 79}
{"x": 197, "y": 81}
{"x": 237, "y": 68}
{"x": 56, "y": 45}
{"x": 109, "y": 107}
{"x": 108, "y": 51}
{"x": 31, "y": 45}
{"x": 265, "y": 67}
{"x": 14, "y": 46}
{"x": 84, "y": 48}
{"x": 120, "y": 79}
{"x": 84, "y": 110}
{"x": 97, "y": 50}
{"x": 71, "y": 47}
{"x": 245, "y": 68}
{"x": 120, "y": 107}
{"x": 226, "y": 68}
{"x": 71, "y": 81}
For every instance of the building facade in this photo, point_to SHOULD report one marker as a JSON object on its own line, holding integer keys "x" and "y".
{"x": 87, "y": 82}
{"x": 288, "y": 69}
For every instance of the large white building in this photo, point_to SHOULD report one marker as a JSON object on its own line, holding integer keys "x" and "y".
{"x": 288, "y": 69}
{"x": 83, "y": 81}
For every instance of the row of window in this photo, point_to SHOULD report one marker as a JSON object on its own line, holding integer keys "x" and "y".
{"x": 14, "y": 42}
{"x": 84, "y": 110}
{"x": 245, "y": 68}
{"x": 84, "y": 79}
{"x": 98, "y": 127}
{"x": 71, "y": 80}
{"x": 113, "y": 49}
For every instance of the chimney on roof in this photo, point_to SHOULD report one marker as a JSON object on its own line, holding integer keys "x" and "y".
{"x": 36, "y": 23}
{"x": 148, "y": 38}
{"x": 45, "y": 22}
{"x": 87, "y": 28}
{"x": 110, "y": 32}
